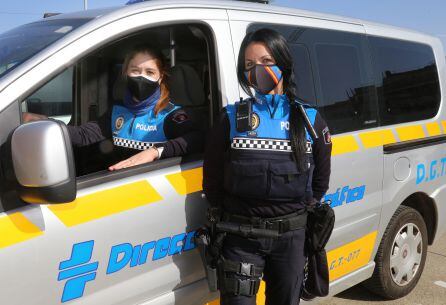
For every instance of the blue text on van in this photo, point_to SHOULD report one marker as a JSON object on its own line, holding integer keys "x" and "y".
{"x": 345, "y": 195}
{"x": 431, "y": 171}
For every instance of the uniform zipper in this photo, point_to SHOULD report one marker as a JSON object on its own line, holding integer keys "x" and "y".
{"x": 268, "y": 180}
{"x": 131, "y": 124}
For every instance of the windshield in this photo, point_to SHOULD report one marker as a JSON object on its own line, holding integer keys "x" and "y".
{"x": 21, "y": 43}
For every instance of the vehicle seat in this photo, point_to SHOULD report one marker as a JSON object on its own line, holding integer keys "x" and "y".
{"x": 185, "y": 86}
{"x": 187, "y": 90}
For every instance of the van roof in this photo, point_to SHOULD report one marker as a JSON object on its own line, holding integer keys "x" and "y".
{"x": 119, "y": 11}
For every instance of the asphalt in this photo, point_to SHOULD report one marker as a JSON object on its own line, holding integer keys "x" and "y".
{"x": 431, "y": 288}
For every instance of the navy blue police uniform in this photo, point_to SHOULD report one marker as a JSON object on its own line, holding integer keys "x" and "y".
{"x": 171, "y": 131}
{"x": 259, "y": 182}
{"x": 139, "y": 131}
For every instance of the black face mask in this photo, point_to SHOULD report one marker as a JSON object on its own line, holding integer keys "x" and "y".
{"x": 141, "y": 87}
{"x": 264, "y": 78}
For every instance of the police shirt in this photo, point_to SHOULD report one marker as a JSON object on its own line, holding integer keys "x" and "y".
{"x": 268, "y": 139}
{"x": 172, "y": 129}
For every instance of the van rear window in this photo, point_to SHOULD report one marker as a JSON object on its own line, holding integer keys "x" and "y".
{"x": 406, "y": 79}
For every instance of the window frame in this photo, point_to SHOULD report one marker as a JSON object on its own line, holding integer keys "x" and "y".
{"x": 103, "y": 176}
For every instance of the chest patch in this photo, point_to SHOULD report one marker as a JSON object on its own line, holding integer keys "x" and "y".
{"x": 119, "y": 122}
{"x": 255, "y": 121}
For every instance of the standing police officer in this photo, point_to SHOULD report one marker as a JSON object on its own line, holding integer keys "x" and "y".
{"x": 262, "y": 168}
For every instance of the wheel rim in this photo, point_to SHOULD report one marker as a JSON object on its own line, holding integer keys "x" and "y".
{"x": 406, "y": 254}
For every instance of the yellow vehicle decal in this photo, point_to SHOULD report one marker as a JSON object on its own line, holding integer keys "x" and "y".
{"x": 377, "y": 138}
{"x": 433, "y": 129}
{"x": 341, "y": 261}
{"x": 350, "y": 257}
{"x": 407, "y": 133}
{"x": 443, "y": 124}
{"x": 105, "y": 203}
{"x": 343, "y": 145}
{"x": 17, "y": 228}
{"x": 188, "y": 181}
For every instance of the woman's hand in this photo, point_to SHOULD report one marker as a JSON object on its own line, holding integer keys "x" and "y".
{"x": 145, "y": 156}
{"x": 29, "y": 117}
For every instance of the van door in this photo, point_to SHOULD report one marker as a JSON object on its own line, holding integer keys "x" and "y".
{"x": 127, "y": 238}
{"x": 333, "y": 72}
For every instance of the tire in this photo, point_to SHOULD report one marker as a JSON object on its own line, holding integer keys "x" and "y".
{"x": 408, "y": 252}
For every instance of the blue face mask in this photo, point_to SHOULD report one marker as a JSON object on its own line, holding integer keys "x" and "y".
{"x": 264, "y": 78}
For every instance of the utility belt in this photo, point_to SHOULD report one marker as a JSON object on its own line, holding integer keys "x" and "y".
{"x": 239, "y": 278}
{"x": 277, "y": 225}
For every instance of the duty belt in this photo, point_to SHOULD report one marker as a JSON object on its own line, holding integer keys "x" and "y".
{"x": 281, "y": 224}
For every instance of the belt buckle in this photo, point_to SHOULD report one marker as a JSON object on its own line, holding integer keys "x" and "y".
{"x": 245, "y": 269}
{"x": 270, "y": 224}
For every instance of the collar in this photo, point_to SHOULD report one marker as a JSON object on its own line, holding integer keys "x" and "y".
{"x": 268, "y": 98}
{"x": 144, "y": 106}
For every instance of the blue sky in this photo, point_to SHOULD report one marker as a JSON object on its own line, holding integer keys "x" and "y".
{"x": 426, "y": 16}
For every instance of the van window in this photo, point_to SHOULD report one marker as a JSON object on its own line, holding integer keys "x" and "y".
{"x": 406, "y": 79}
{"x": 55, "y": 98}
{"x": 333, "y": 70}
{"x": 87, "y": 91}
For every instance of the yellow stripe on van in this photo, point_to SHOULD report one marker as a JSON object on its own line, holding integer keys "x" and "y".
{"x": 377, "y": 138}
{"x": 17, "y": 228}
{"x": 105, "y": 203}
{"x": 433, "y": 129}
{"x": 350, "y": 257}
{"x": 343, "y": 145}
{"x": 188, "y": 181}
{"x": 443, "y": 124}
{"x": 407, "y": 133}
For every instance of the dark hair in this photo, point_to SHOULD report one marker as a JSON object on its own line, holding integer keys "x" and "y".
{"x": 279, "y": 50}
{"x": 162, "y": 66}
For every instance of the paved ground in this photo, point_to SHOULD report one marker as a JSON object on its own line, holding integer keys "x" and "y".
{"x": 428, "y": 291}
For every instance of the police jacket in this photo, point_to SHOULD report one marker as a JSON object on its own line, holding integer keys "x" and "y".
{"x": 253, "y": 173}
{"x": 172, "y": 129}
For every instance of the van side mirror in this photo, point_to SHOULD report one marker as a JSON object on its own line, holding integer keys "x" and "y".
{"x": 43, "y": 162}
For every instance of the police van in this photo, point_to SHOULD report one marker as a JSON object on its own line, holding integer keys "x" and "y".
{"x": 73, "y": 232}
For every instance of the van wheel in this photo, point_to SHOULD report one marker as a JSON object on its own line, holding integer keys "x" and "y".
{"x": 401, "y": 255}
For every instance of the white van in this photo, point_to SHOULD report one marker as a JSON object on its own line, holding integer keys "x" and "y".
{"x": 127, "y": 236}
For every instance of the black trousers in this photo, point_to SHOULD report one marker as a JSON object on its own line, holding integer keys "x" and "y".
{"x": 283, "y": 260}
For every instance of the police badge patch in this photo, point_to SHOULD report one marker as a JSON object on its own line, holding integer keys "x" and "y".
{"x": 119, "y": 122}
{"x": 255, "y": 121}
{"x": 327, "y": 135}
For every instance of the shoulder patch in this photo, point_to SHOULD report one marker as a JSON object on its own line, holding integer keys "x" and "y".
{"x": 327, "y": 135}
{"x": 180, "y": 117}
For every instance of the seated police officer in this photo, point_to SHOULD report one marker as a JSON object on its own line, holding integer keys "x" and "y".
{"x": 262, "y": 167}
{"x": 147, "y": 120}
